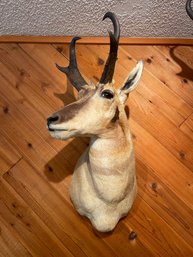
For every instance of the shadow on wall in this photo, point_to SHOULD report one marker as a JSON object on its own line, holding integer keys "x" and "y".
{"x": 68, "y": 96}
{"x": 184, "y": 60}
{"x": 63, "y": 163}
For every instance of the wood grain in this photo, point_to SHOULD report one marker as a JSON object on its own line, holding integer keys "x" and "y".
{"x": 187, "y": 126}
{"x": 36, "y": 215}
{"x": 8, "y": 155}
{"x": 9, "y": 244}
{"x": 94, "y": 40}
{"x": 164, "y": 201}
{"x": 172, "y": 172}
{"x": 27, "y": 225}
{"x": 158, "y": 64}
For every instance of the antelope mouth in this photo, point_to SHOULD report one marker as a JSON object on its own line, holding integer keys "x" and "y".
{"x": 56, "y": 129}
{"x": 61, "y": 134}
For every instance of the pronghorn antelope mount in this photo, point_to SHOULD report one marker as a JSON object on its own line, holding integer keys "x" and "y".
{"x": 103, "y": 185}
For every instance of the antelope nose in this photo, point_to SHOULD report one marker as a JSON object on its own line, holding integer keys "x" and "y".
{"x": 52, "y": 119}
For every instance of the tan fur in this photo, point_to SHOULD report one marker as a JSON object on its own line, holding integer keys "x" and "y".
{"x": 103, "y": 185}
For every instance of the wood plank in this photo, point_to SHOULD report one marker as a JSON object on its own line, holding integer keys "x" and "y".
{"x": 48, "y": 55}
{"x": 169, "y": 103}
{"x": 187, "y": 126}
{"x": 29, "y": 88}
{"x": 156, "y": 234}
{"x": 161, "y": 123}
{"x": 32, "y": 84}
{"x": 33, "y": 233}
{"x": 182, "y": 57}
{"x": 149, "y": 117}
{"x": 8, "y": 155}
{"x": 158, "y": 64}
{"x": 24, "y": 137}
{"x": 10, "y": 246}
{"x": 93, "y": 40}
{"x": 164, "y": 201}
{"x": 61, "y": 216}
{"x": 21, "y": 68}
{"x": 16, "y": 100}
{"x": 171, "y": 171}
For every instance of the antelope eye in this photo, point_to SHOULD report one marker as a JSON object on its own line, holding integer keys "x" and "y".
{"x": 107, "y": 94}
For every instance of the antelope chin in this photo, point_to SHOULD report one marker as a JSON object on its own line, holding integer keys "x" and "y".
{"x": 62, "y": 134}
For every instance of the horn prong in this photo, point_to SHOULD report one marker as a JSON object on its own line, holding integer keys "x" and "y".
{"x": 72, "y": 71}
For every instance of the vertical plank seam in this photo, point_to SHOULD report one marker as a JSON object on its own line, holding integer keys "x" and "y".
{"x": 185, "y": 120}
{"x": 14, "y": 164}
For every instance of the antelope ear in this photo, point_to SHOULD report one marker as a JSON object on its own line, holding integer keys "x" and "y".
{"x": 131, "y": 82}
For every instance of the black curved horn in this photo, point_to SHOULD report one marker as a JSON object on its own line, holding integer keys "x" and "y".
{"x": 72, "y": 71}
{"x": 189, "y": 9}
{"x": 109, "y": 68}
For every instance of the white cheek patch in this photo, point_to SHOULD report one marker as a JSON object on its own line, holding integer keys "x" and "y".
{"x": 122, "y": 97}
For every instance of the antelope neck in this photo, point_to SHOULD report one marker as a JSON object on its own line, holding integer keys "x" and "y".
{"x": 108, "y": 144}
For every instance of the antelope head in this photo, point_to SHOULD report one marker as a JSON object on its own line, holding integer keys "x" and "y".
{"x": 99, "y": 107}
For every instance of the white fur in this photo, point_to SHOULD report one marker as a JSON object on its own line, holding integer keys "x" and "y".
{"x": 102, "y": 188}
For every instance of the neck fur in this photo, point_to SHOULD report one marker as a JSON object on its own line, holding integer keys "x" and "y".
{"x": 108, "y": 147}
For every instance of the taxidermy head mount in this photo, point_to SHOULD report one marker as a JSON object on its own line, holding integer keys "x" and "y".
{"x": 103, "y": 186}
